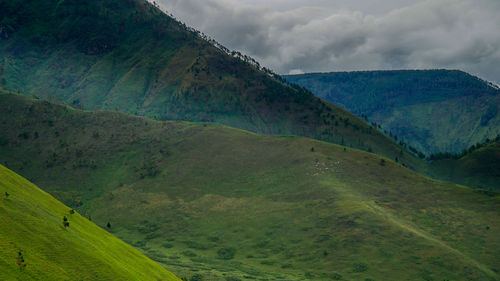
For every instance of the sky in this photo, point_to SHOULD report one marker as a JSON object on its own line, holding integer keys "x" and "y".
{"x": 296, "y": 36}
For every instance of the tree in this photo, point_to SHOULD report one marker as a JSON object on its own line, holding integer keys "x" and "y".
{"x": 6, "y": 194}
{"x": 20, "y": 260}
{"x": 108, "y": 225}
{"x": 65, "y": 222}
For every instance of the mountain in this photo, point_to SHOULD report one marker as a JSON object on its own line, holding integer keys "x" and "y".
{"x": 34, "y": 244}
{"x": 127, "y": 55}
{"x": 432, "y": 110}
{"x": 212, "y": 202}
{"x": 478, "y": 168}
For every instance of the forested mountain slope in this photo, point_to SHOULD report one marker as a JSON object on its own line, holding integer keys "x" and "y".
{"x": 477, "y": 168}
{"x": 127, "y": 55}
{"x": 432, "y": 110}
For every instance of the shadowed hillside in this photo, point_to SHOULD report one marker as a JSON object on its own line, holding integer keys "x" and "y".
{"x": 127, "y": 55}
{"x": 432, "y": 110}
{"x": 478, "y": 168}
{"x": 212, "y": 201}
{"x": 35, "y": 244}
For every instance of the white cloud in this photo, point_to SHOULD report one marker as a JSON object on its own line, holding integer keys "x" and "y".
{"x": 296, "y": 71}
{"x": 318, "y": 35}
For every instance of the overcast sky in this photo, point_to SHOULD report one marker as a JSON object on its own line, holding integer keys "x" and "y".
{"x": 293, "y": 36}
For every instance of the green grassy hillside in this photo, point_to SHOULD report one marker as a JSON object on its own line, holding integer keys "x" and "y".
{"x": 213, "y": 202}
{"x": 127, "y": 55}
{"x": 432, "y": 110}
{"x": 479, "y": 168}
{"x": 34, "y": 244}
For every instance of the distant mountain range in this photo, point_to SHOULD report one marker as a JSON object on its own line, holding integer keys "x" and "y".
{"x": 432, "y": 110}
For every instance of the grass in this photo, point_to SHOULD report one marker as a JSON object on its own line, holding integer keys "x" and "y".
{"x": 34, "y": 245}
{"x": 211, "y": 201}
{"x": 480, "y": 168}
{"x": 432, "y": 110}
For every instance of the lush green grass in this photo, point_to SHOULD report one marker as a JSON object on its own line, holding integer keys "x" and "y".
{"x": 480, "y": 168}
{"x": 224, "y": 203}
{"x": 34, "y": 244}
{"x": 128, "y": 56}
{"x": 432, "y": 110}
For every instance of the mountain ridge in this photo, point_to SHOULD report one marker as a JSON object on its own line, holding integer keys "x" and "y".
{"x": 129, "y": 56}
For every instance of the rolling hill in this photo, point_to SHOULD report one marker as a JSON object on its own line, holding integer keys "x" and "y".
{"x": 127, "y": 55}
{"x": 212, "y": 202}
{"x": 479, "y": 168}
{"x": 34, "y": 244}
{"x": 432, "y": 110}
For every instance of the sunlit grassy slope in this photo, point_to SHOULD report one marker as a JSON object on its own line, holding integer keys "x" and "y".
{"x": 224, "y": 203}
{"x": 432, "y": 110}
{"x": 480, "y": 168}
{"x": 31, "y": 222}
{"x": 126, "y": 55}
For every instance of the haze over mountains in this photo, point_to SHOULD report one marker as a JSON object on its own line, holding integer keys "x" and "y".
{"x": 122, "y": 113}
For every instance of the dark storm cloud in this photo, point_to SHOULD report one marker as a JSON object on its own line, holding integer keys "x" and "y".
{"x": 318, "y": 35}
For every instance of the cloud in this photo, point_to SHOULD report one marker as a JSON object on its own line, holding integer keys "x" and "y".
{"x": 296, "y": 71}
{"x": 318, "y": 35}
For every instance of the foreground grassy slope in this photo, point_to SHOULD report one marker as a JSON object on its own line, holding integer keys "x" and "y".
{"x": 432, "y": 110}
{"x": 126, "y": 55}
{"x": 480, "y": 168}
{"x": 31, "y": 222}
{"x": 213, "y": 201}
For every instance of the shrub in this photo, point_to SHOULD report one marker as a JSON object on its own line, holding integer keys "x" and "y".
{"x": 24, "y": 135}
{"x": 226, "y": 253}
{"x": 213, "y": 239}
{"x": 195, "y": 245}
{"x": 336, "y": 276}
{"x": 360, "y": 267}
{"x": 196, "y": 277}
{"x": 189, "y": 253}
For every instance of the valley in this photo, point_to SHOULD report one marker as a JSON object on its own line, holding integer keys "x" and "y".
{"x": 135, "y": 147}
{"x": 211, "y": 200}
